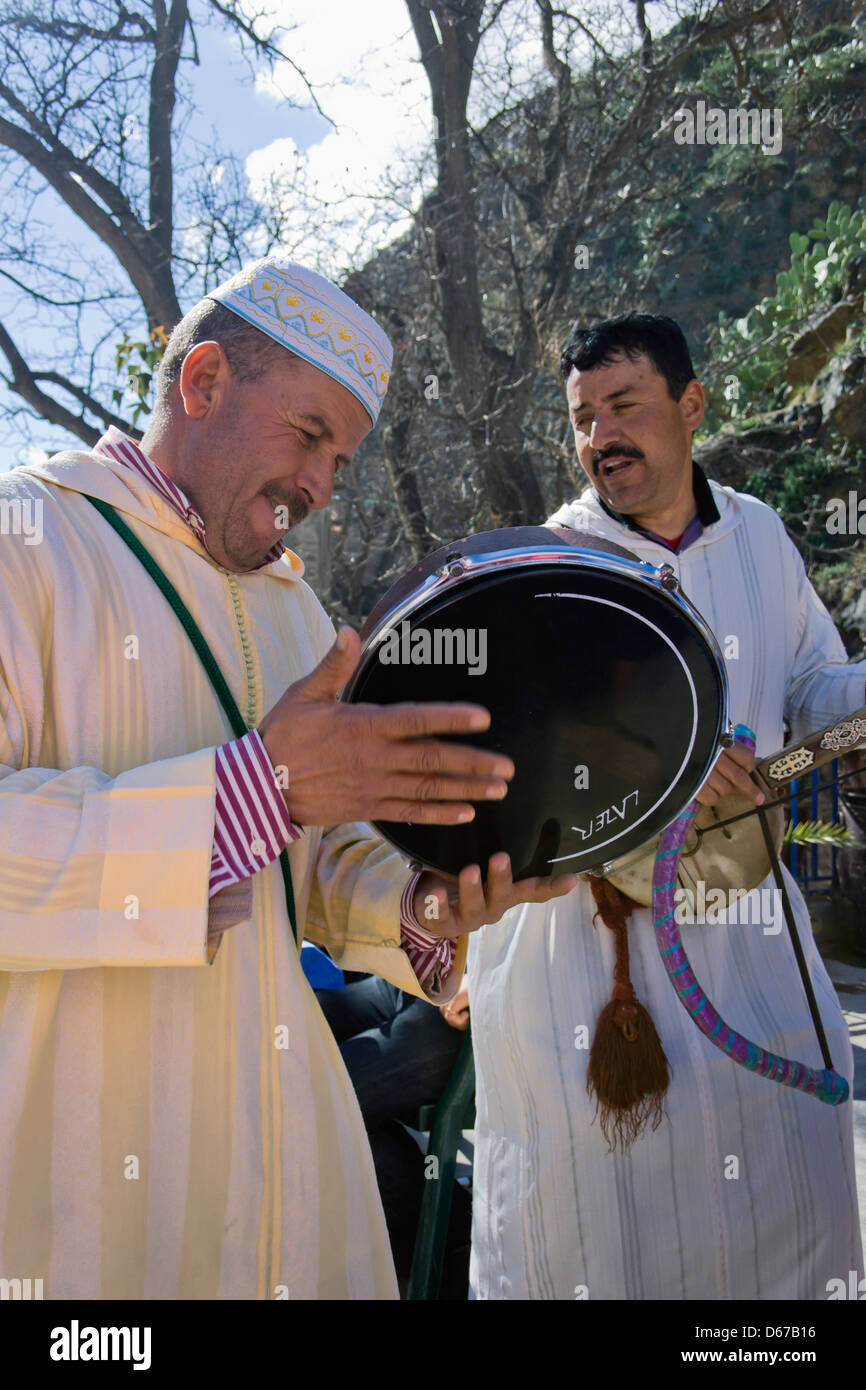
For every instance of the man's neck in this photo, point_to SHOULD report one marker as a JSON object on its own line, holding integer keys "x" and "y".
{"x": 670, "y": 523}
{"x": 702, "y": 505}
{"x": 160, "y": 445}
{"x": 672, "y": 520}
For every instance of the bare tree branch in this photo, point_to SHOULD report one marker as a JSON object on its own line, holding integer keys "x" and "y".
{"x": 88, "y": 97}
{"x": 576, "y": 22}
{"x": 72, "y": 31}
{"x": 646, "y": 36}
{"x": 24, "y": 382}
{"x": 265, "y": 46}
{"x": 170, "y": 28}
{"x": 490, "y": 381}
{"x": 137, "y": 251}
{"x": 32, "y": 293}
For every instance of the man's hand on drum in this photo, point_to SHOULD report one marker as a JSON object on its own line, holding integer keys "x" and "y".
{"x": 731, "y": 774}
{"x": 456, "y": 1011}
{"x": 376, "y": 762}
{"x": 451, "y": 910}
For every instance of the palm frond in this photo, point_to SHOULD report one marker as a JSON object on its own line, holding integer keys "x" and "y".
{"x": 821, "y": 832}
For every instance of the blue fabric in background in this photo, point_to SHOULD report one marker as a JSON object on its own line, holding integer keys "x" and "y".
{"x": 320, "y": 970}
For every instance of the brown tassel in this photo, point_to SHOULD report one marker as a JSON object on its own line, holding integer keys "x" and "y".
{"x": 628, "y": 1073}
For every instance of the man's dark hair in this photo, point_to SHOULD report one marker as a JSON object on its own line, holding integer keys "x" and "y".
{"x": 632, "y": 336}
{"x": 250, "y": 352}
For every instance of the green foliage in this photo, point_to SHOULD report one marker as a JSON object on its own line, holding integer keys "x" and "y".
{"x": 829, "y": 65}
{"x": 830, "y": 38}
{"x": 827, "y": 73}
{"x": 140, "y": 360}
{"x": 797, "y": 487}
{"x": 752, "y": 350}
{"x": 819, "y": 832}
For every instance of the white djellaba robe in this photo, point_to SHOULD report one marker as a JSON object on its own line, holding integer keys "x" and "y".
{"x": 158, "y": 1138}
{"x": 747, "y": 1189}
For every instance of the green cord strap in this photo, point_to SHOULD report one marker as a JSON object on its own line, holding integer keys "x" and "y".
{"x": 224, "y": 695}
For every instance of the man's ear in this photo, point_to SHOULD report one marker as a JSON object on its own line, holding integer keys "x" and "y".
{"x": 693, "y": 403}
{"x": 204, "y": 377}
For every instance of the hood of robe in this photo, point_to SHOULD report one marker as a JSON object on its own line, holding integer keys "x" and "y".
{"x": 586, "y": 513}
{"x": 133, "y": 497}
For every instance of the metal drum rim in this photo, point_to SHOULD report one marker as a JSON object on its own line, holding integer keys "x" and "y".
{"x": 474, "y": 566}
{"x": 454, "y": 572}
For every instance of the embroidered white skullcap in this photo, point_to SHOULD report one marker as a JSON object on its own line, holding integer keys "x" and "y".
{"x": 313, "y": 318}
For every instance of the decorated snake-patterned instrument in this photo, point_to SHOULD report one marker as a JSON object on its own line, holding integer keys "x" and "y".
{"x": 827, "y": 1085}
{"x": 724, "y": 847}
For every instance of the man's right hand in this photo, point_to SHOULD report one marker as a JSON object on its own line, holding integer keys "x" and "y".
{"x": 731, "y": 774}
{"x": 376, "y": 762}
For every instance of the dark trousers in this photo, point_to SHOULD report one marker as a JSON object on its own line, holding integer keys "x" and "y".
{"x": 399, "y": 1052}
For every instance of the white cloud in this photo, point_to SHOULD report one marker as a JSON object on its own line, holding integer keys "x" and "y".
{"x": 30, "y": 454}
{"x": 339, "y": 42}
{"x": 354, "y": 190}
{"x": 371, "y": 85}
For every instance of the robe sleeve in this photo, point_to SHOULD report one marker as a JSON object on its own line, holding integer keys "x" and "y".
{"x": 354, "y": 911}
{"x": 357, "y": 890}
{"x": 98, "y": 870}
{"x": 822, "y": 686}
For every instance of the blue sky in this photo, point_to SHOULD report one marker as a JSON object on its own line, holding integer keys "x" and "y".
{"x": 254, "y": 121}
{"x": 367, "y": 166}
{"x": 255, "y": 115}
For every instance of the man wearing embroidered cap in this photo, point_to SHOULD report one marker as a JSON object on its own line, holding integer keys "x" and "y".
{"x": 169, "y": 1131}
{"x": 316, "y": 355}
{"x": 314, "y": 319}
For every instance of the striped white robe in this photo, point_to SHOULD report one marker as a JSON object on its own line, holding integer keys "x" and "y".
{"x": 746, "y": 1191}
{"x": 157, "y": 1139}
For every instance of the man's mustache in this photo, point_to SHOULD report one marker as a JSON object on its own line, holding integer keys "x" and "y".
{"x": 602, "y": 455}
{"x": 295, "y": 506}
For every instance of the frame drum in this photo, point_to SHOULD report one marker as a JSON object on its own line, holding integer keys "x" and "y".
{"x": 605, "y": 688}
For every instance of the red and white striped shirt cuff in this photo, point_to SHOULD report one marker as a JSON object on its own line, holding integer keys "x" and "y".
{"x": 252, "y": 826}
{"x": 429, "y": 955}
{"x": 251, "y": 822}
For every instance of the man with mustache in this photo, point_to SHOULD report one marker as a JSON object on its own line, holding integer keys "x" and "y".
{"x": 175, "y": 1118}
{"x": 745, "y": 1189}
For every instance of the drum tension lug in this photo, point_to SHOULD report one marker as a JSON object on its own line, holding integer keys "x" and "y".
{"x": 453, "y": 567}
{"x": 668, "y": 577}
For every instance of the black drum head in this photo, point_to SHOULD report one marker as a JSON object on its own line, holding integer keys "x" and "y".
{"x": 608, "y": 698}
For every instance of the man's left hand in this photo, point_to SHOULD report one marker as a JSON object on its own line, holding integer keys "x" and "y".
{"x": 451, "y": 911}
{"x": 456, "y": 1011}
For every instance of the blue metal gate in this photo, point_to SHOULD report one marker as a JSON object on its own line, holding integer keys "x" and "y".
{"x": 814, "y": 866}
